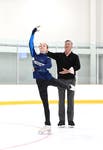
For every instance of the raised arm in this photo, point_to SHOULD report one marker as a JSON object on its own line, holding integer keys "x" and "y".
{"x": 31, "y": 43}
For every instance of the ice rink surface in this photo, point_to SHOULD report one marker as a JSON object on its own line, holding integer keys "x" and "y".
{"x": 19, "y": 125}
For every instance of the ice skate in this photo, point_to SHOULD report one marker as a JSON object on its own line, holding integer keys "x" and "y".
{"x": 72, "y": 87}
{"x": 38, "y": 28}
{"x": 61, "y": 124}
{"x": 71, "y": 124}
{"x": 45, "y": 130}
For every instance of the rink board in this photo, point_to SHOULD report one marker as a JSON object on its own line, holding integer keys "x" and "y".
{"x": 28, "y": 94}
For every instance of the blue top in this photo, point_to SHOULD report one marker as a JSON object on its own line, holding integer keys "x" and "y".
{"x": 41, "y": 62}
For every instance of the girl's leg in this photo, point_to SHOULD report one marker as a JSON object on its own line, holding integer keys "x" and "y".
{"x": 58, "y": 83}
{"x": 44, "y": 97}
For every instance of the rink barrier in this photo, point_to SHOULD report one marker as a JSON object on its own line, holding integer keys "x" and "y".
{"x": 28, "y": 94}
{"x": 50, "y": 102}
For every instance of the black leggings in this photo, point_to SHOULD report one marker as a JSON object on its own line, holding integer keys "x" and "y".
{"x": 42, "y": 86}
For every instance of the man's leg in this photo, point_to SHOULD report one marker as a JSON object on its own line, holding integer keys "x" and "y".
{"x": 70, "y": 106}
{"x": 70, "y": 103}
{"x": 44, "y": 97}
{"x": 61, "y": 112}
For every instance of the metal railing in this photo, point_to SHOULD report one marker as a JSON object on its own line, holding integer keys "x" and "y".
{"x": 16, "y": 67}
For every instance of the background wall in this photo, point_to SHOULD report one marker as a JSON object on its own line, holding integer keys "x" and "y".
{"x": 78, "y": 20}
{"x": 99, "y": 22}
{"x": 59, "y": 20}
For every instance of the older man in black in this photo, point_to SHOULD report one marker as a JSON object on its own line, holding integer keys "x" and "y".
{"x": 67, "y": 65}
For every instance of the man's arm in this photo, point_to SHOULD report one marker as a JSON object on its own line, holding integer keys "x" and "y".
{"x": 52, "y": 55}
{"x": 66, "y": 71}
{"x": 72, "y": 69}
{"x": 77, "y": 64}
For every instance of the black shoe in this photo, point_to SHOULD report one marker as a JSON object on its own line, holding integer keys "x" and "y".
{"x": 47, "y": 123}
{"x": 71, "y": 124}
{"x": 61, "y": 124}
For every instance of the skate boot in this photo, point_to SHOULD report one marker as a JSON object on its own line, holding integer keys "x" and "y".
{"x": 61, "y": 124}
{"x": 45, "y": 130}
{"x": 71, "y": 124}
{"x": 72, "y": 87}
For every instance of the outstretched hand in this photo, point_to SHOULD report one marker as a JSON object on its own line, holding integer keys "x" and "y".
{"x": 35, "y": 29}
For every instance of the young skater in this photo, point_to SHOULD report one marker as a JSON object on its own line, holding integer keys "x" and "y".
{"x": 41, "y": 63}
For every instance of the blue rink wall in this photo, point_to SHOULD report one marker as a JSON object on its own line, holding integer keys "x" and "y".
{"x": 28, "y": 94}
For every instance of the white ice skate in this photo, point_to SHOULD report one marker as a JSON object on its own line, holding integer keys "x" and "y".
{"x": 45, "y": 130}
{"x": 38, "y": 27}
{"x": 72, "y": 87}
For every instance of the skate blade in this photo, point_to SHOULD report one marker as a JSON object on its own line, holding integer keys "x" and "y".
{"x": 62, "y": 126}
{"x": 44, "y": 132}
{"x": 70, "y": 126}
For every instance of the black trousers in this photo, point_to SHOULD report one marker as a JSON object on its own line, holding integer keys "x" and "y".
{"x": 70, "y": 101}
{"x": 42, "y": 87}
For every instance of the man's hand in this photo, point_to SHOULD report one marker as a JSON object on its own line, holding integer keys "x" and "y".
{"x": 66, "y": 71}
{"x": 71, "y": 70}
{"x": 33, "y": 69}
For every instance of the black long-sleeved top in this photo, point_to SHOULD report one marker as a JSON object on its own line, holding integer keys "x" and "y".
{"x": 66, "y": 62}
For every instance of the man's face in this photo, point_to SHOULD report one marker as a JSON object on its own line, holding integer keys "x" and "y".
{"x": 43, "y": 48}
{"x": 68, "y": 46}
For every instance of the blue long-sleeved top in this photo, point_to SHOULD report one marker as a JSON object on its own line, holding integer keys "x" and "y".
{"x": 41, "y": 62}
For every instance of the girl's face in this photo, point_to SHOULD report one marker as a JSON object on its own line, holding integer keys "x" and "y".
{"x": 43, "y": 48}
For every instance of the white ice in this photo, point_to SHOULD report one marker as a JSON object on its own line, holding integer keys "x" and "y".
{"x": 19, "y": 125}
